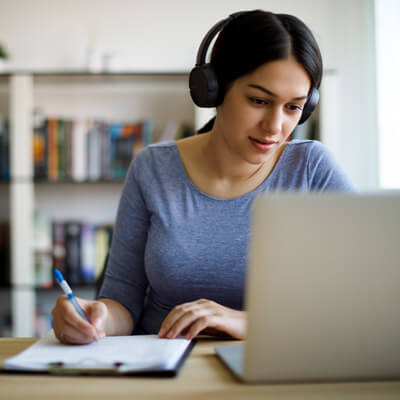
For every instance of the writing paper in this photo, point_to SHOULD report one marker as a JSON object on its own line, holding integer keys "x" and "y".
{"x": 123, "y": 353}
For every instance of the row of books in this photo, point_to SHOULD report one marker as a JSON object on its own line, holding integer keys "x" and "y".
{"x": 77, "y": 248}
{"x": 4, "y": 149}
{"x": 86, "y": 150}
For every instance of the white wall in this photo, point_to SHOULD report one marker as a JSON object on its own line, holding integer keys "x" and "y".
{"x": 164, "y": 35}
{"x": 388, "y": 79}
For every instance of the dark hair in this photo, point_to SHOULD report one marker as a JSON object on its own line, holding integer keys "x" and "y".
{"x": 256, "y": 37}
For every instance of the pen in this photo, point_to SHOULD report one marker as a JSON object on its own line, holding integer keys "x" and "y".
{"x": 68, "y": 292}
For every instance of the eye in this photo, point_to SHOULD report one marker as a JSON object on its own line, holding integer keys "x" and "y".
{"x": 294, "y": 107}
{"x": 258, "y": 101}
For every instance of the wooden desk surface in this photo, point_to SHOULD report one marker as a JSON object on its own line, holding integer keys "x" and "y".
{"x": 201, "y": 377}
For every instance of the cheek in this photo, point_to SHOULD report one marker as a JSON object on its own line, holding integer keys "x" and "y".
{"x": 290, "y": 125}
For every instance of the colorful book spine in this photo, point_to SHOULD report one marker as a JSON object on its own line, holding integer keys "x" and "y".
{"x": 4, "y": 150}
{"x": 81, "y": 150}
{"x": 61, "y": 147}
{"x": 52, "y": 135}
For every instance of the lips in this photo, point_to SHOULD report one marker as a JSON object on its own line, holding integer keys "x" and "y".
{"x": 263, "y": 141}
{"x": 263, "y": 144}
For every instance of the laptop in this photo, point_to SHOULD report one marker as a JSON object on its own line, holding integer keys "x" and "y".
{"x": 323, "y": 290}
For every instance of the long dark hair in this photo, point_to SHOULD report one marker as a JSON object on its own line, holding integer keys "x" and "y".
{"x": 257, "y": 37}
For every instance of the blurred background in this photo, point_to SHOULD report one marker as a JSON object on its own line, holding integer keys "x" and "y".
{"x": 85, "y": 84}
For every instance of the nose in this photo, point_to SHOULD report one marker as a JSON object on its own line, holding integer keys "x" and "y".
{"x": 272, "y": 121}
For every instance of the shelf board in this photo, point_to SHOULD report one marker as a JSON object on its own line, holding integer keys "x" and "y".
{"x": 84, "y": 73}
{"x": 86, "y": 182}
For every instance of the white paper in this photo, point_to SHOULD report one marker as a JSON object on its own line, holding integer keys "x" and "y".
{"x": 140, "y": 352}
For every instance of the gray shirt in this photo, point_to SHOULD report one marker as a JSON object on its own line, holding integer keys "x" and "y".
{"x": 173, "y": 244}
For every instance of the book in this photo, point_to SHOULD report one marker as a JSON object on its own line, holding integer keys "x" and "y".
{"x": 113, "y": 355}
{"x": 73, "y": 230}
{"x": 4, "y": 149}
{"x": 68, "y": 148}
{"x": 88, "y": 252}
{"x": 43, "y": 253}
{"x": 52, "y": 137}
{"x": 102, "y": 246}
{"x": 79, "y": 151}
{"x": 61, "y": 148}
{"x": 83, "y": 150}
{"x": 94, "y": 151}
{"x": 59, "y": 246}
{"x": 40, "y": 149}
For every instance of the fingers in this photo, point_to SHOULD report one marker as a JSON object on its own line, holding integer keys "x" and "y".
{"x": 71, "y": 335}
{"x": 189, "y": 319}
{"x": 70, "y": 327}
{"x": 97, "y": 314}
{"x": 200, "y": 325}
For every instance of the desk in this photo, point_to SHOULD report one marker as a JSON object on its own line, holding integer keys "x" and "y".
{"x": 201, "y": 377}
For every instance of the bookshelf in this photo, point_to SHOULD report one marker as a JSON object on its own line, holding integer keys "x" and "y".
{"x": 125, "y": 97}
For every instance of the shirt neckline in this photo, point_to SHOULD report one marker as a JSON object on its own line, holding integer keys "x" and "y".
{"x": 259, "y": 188}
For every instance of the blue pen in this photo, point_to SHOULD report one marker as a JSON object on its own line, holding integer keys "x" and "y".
{"x": 68, "y": 292}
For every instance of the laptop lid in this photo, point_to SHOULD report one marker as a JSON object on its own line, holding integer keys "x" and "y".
{"x": 323, "y": 290}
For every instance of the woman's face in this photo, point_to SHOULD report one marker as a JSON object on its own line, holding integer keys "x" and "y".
{"x": 261, "y": 109}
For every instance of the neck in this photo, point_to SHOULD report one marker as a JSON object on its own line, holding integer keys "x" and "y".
{"x": 224, "y": 165}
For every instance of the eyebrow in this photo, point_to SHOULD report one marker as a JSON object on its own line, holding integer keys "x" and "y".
{"x": 265, "y": 90}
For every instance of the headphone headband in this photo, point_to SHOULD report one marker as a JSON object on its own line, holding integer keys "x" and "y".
{"x": 205, "y": 43}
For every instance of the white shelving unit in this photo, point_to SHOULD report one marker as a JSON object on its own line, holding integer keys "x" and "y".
{"x": 128, "y": 97}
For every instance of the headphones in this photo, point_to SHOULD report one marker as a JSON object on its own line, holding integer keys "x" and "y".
{"x": 203, "y": 81}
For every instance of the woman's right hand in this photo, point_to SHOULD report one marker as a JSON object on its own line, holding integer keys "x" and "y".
{"x": 70, "y": 327}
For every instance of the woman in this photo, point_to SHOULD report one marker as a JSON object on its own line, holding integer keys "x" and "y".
{"x": 178, "y": 258}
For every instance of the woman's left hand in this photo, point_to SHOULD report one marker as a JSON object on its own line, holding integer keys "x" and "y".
{"x": 206, "y": 316}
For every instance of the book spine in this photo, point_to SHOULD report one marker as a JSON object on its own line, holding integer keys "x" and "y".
{"x": 88, "y": 241}
{"x": 43, "y": 249}
{"x": 73, "y": 252}
{"x": 53, "y": 149}
{"x": 68, "y": 149}
{"x": 101, "y": 249}
{"x": 61, "y": 149}
{"x": 79, "y": 165}
{"x": 105, "y": 152}
{"x": 59, "y": 246}
{"x": 5, "y": 150}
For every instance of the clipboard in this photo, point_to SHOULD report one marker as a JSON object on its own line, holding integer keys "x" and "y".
{"x": 136, "y": 355}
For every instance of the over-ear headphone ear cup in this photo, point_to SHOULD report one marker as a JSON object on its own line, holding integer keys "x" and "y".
{"x": 310, "y": 105}
{"x": 203, "y": 86}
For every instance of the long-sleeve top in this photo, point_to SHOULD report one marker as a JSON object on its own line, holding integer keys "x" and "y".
{"x": 173, "y": 243}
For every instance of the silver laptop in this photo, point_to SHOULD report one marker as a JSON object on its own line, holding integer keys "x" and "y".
{"x": 323, "y": 290}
